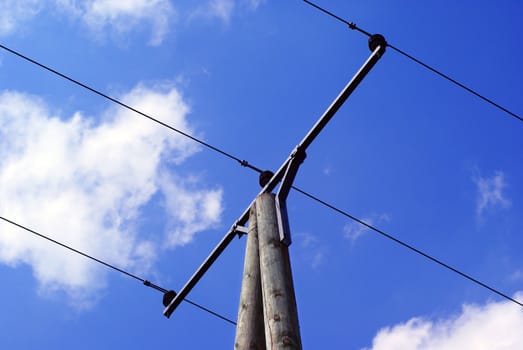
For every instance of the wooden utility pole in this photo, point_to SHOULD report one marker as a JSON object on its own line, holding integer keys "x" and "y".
{"x": 267, "y": 315}
{"x": 282, "y": 329}
{"x": 249, "y": 328}
{"x": 267, "y": 265}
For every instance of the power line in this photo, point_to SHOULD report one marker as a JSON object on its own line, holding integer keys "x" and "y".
{"x": 72, "y": 249}
{"x": 308, "y": 195}
{"x": 106, "y": 264}
{"x": 258, "y": 170}
{"x": 353, "y": 26}
{"x": 210, "y": 311}
{"x": 408, "y": 246}
{"x": 118, "y": 102}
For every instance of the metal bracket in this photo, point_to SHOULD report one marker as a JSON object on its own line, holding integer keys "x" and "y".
{"x": 239, "y": 229}
{"x": 296, "y": 159}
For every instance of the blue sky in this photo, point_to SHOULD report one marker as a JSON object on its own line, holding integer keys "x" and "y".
{"x": 409, "y": 152}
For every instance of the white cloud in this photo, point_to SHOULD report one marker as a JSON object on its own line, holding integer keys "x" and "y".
{"x": 119, "y": 18}
{"x": 83, "y": 181}
{"x": 516, "y": 276}
{"x": 195, "y": 209}
{"x": 225, "y": 9}
{"x": 122, "y": 17}
{"x": 14, "y": 13}
{"x": 328, "y": 170}
{"x": 490, "y": 193}
{"x": 220, "y": 9}
{"x": 254, "y": 4}
{"x": 315, "y": 251}
{"x": 102, "y": 17}
{"x": 354, "y": 230}
{"x": 494, "y": 326}
{"x": 312, "y": 251}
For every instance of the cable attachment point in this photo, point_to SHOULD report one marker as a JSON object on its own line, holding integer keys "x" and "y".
{"x": 376, "y": 40}
{"x": 244, "y": 163}
{"x": 265, "y": 177}
{"x": 299, "y": 154}
{"x": 154, "y": 286}
{"x": 168, "y": 297}
{"x": 352, "y": 25}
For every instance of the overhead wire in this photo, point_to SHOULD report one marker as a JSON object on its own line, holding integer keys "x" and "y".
{"x": 353, "y": 26}
{"x": 408, "y": 246}
{"x": 111, "y": 266}
{"x": 248, "y": 165}
{"x": 242, "y": 162}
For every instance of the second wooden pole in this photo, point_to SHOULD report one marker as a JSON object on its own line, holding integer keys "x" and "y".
{"x": 282, "y": 329}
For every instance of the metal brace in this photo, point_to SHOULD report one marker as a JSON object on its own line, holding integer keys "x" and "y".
{"x": 239, "y": 229}
{"x": 296, "y": 159}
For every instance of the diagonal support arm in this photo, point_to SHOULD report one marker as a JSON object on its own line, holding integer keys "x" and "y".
{"x": 286, "y": 172}
{"x": 296, "y": 159}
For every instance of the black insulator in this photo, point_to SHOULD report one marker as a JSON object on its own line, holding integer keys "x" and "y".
{"x": 377, "y": 40}
{"x": 265, "y": 177}
{"x": 168, "y": 297}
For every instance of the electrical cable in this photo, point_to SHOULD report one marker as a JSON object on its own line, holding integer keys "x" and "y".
{"x": 353, "y": 26}
{"x": 106, "y": 264}
{"x": 408, "y": 246}
{"x": 210, "y": 311}
{"x": 246, "y": 164}
{"x": 242, "y": 162}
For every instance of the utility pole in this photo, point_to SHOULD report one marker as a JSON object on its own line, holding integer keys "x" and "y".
{"x": 267, "y": 286}
{"x": 249, "y": 327}
{"x": 279, "y": 303}
{"x": 267, "y": 315}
